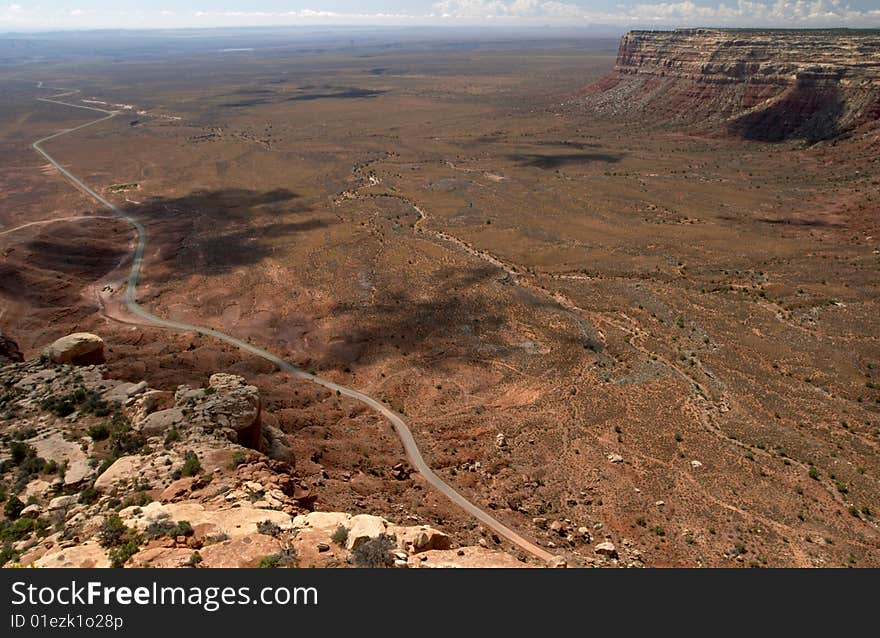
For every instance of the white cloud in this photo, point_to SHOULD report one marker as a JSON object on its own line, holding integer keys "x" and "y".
{"x": 791, "y": 13}
{"x": 685, "y": 13}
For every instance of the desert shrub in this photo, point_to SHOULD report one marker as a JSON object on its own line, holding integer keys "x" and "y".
{"x": 99, "y": 432}
{"x": 113, "y": 532}
{"x": 340, "y": 535}
{"x": 119, "y": 555}
{"x": 89, "y": 495}
{"x": 814, "y": 473}
{"x": 138, "y": 499}
{"x": 19, "y": 451}
{"x": 285, "y": 558}
{"x": 13, "y": 507}
{"x": 8, "y": 554}
{"x": 123, "y": 439}
{"x": 191, "y": 465}
{"x": 238, "y": 457}
{"x": 376, "y": 552}
{"x": 194, "y": 559}
{"x": 172, "y": 436}
{"x": 27, "y": 433}
{"x": 92, "y": 403}
{"x": 59, "y": 406}
{"x": 168, "y": 528}
{"x": 14, "y": 531}
{"x": 215, "y": 538}
{"x": 268, "y": 528}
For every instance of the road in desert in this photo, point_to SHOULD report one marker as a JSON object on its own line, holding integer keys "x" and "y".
{"x": 147, "y": 318}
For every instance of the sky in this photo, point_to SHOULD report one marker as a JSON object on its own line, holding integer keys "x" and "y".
{"x": 23, "y": 15}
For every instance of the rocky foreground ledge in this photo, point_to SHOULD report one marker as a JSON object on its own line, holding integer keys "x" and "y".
{"x": 96, "y": 472}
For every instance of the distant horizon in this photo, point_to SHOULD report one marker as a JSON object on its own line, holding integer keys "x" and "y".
{"x": 607, "y": 28}
{"x": 22, "y": 16}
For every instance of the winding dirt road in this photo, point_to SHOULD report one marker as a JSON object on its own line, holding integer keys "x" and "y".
{"x": 148, "y": 318}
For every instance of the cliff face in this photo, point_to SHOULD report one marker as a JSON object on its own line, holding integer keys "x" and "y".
{"x": 763, "y": 85}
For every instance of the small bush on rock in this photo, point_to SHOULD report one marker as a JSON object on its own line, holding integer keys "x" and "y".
{"x": 376, "y": 552}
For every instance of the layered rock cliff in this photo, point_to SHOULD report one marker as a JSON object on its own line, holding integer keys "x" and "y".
{"x": 764, "y": 85}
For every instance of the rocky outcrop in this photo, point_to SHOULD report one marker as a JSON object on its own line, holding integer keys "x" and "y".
{"x": 185, "y": 486}
{"x": 79, "y": 348}
{"x": 761, "y": 85}
{"x": 9, "y": 352}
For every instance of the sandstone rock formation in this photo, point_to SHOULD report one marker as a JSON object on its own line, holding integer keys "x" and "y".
{"x": 762, "y": 85}
{"x": 79, "y": 348}
{"x": 98, "y": 476}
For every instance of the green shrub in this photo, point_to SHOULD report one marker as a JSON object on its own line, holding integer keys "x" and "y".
{"x": 8, "y": 554}
{"x": 168, "y": 528}
{"x": 124, "y": 440}
{"x": 59, "y": 406}
{"x": 99, "y": 432}
{"x": 285, "y": 558}
{"x": 376, "y": 552}
{"x": 113, "y": 532}
{"x": 172, "y": 436}
{"x": 268, "y": 528}
{"x": 191, "y": 465}
{"x": 14, "y": 531}
{"x": 340, "y": 535}
{"x": 19, "y": 451}
{"x": 138, "y": 499}
{"x": 119, "y": 555}
{"x": 814, "y": 473}
{"x": 89, "y": 495}
{"x": 12, "y": 509}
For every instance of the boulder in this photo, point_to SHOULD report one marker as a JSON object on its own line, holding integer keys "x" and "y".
{"x": 327, "y": 522}
{"x": 180, "y": 487}
{"x": 158, "y": 423}
{"x": 63, "y": 502}
{"x": 31, "y": 511}
{"x": 38, "y": 488}
{"x": 419, "y": 538}
{"x": 243, "y": 551}
{"x": 56, "y": 448}
{"x": 362, "y": 528}
{"x": 606, "y": 549}
{"x": 123, "y": 470}
{"x": 228, "y": 404}
{"x": 89, "y": 554}
{"x": 79, "y": 348}
{"x": 161, "y": 557}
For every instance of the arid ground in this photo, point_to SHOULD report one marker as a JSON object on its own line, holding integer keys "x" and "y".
{"x": 670, "y": 340}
